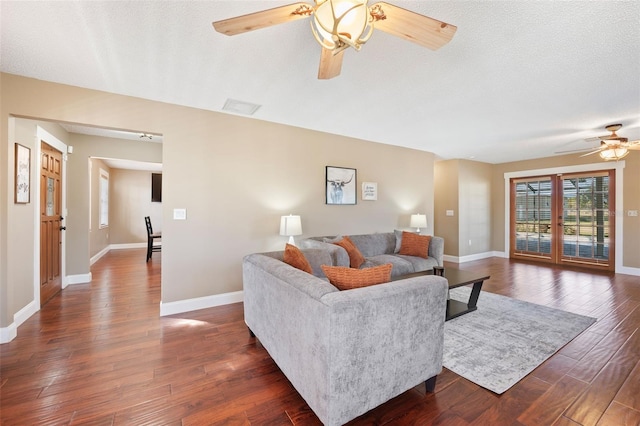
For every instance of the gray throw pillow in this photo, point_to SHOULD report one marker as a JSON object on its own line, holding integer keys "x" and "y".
{"x": 398, "y": 240}
{"x": 336, "y": 239}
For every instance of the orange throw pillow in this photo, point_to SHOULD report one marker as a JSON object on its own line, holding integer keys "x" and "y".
{"x": 294, "y": 257}
{"x": 415, "y": 245}
{"x": 356, "y": 259}
{"x": 347, "y": 278}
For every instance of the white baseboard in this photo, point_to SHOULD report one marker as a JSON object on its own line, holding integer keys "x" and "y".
{"x": 188, "y": 305}
{"x": 78, "y": 279}
{"x": 627, "y": 270}
{"x": 127, "y": 246}
{"x": 98, "y": 255}
{"x": 472, "y": 257}
{"x": 105, "y": 250}
{"x": 10, "y": 332}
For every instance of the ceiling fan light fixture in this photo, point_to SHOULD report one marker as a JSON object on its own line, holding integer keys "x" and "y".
{"x": 340, "y": 23}
{"x": 614, "y": 153}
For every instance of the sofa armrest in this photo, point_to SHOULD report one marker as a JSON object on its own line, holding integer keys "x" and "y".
{"x": 436, "y": 249}
{"x": 339, "y": 255}
{"x": 383, "y": 340}
{"x": 315, "y": 256}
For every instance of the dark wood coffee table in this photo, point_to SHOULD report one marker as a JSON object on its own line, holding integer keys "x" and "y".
{"x": 457, "y": 278}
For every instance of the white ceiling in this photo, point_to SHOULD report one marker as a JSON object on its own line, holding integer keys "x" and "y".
{"x": 519, "y": 79}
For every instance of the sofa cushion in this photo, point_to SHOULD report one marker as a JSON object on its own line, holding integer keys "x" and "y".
{"x": 348, "y": 278}
{"x": 294, "y": 257}
{"x": 356, "y": 259}
{"x": 418, "y": 263}
{"x": 415, "y": 245}
{"x": 401, "y": 264}
{"x": 374, "y": 244}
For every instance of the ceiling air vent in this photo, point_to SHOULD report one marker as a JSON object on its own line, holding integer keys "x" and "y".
{"x": 240, "y": 107}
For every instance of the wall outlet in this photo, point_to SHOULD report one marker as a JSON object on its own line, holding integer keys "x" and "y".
{"x": 469, "y": 242}
{"x": 179, "y": 214}
{"x": 632, "y": 213}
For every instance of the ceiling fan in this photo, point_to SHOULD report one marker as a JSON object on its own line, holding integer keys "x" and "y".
{"x": 612, "y": 146}
{"x": 340, "y": 24}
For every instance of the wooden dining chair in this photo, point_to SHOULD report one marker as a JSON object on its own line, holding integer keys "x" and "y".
{"x": 151, "y": 237}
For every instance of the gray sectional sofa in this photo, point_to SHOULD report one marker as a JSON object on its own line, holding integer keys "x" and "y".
{"x": 379, "y": 249}
{"x": 345, "y": 352}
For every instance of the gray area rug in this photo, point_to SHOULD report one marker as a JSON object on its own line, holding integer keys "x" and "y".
{"x": 505, "y": 339}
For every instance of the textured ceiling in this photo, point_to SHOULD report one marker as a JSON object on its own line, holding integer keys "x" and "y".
{"x": 519, "y": 79}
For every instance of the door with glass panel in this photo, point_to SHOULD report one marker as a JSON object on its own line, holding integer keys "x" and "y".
{"x": 50, "y": 222}
{"x": 586, "y": 223}
{"x": 532, "y": 223}
{"x": 564, "y": 219}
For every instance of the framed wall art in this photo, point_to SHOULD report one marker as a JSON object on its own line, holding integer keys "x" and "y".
{"x": 23, "y": 174}
{"x": 369, "y": 191}
{"x": 341, "y": 185}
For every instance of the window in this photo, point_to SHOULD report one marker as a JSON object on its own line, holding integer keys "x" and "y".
{"x": 104, "y": 199}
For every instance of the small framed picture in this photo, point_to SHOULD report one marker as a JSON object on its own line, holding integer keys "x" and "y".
{"x": 369, "y": 191}
{"x": 340, "y": 185}
{"x": 23, "y": 174}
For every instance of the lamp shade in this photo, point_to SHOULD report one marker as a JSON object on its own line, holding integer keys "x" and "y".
{"x": 418, "y": 221}
{"x": 290, "y": 225}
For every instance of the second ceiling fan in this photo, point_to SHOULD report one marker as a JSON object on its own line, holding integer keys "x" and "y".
{"x": 340, "y": 24}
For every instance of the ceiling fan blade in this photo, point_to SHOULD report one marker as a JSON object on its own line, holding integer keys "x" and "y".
{"x": 262, "y": 19}
{"x": 411, "y": 26}
{"x": 573, "y": 150}
{"x": 596, "y": 138}
{"x": 330, "y": 64}
{"x": 635, "y": 145}
{"x": 592, "y": 152}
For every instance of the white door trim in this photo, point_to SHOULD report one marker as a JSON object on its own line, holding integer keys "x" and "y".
{"x": 43, "y": 135}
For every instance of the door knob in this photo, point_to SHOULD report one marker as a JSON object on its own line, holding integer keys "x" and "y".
{"x": 63, "y": 228}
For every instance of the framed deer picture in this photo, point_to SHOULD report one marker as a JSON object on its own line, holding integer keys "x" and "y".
{"x": 341, "y": 184}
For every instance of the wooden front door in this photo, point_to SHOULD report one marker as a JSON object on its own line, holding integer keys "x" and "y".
{"x": 50, "y": 223}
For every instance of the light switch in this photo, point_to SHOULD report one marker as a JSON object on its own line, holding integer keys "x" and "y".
{"x": 179, "y": 214}
{"x": 449, "y": 212}
{"x": 632, "y": 213}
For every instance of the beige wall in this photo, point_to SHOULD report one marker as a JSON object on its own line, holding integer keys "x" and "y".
{"x": 463, "y": 186}
{"x": 130, "y": 203}
{"x": 235, "y": 177}
{"x": 631, "y": 198}
{"x": 474, "y": 184}
{"x": 18, "y": 221}
{"x": 20, "y": 234}
{"x": 476, "y": 193}
{"x": 446, "y": 198}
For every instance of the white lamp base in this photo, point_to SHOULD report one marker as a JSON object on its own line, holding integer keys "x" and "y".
{"x": 292, "y": 241}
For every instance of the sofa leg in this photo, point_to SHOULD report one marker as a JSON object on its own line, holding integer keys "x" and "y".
{"x": 431, "y": 384}
{"x": 251, "y": 332}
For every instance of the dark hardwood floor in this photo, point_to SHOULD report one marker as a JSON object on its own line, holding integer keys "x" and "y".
{"x": 99, "y": 354}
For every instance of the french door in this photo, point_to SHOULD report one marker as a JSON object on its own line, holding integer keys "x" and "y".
{"x": 564, "y": 219}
